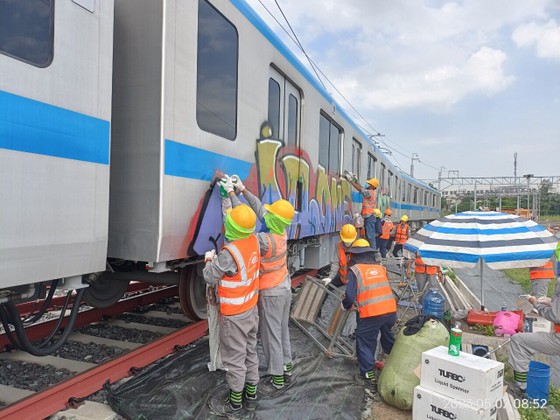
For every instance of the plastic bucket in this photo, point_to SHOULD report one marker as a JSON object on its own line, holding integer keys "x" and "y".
{"x": 538, "y": 379}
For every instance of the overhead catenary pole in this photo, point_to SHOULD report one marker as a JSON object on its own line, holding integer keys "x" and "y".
{"x": 412, "y": 159}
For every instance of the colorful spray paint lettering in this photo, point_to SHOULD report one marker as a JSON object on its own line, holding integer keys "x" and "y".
{"x": 323, "y": 201}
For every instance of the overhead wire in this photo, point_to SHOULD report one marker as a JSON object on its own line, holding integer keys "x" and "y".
{"x": 318, "y": 73}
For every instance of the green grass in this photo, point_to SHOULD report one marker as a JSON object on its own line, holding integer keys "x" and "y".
{"x": 521, "y": 277}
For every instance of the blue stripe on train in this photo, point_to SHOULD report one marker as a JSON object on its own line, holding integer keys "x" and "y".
{"x": 191, "y": 162}
{"x": 31, "y": 126}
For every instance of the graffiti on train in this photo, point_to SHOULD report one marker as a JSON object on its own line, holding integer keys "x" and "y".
{"x": 323, "y": 202}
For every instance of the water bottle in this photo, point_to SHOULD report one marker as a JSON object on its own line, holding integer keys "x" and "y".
{"x": 434, "y": 304}
{"x": 455, "y": 340}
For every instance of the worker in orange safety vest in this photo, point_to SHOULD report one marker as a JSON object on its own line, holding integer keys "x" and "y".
{"x": 425, "y": 274}
{"x": 368, "y": 291}
{"x": 275, "y": 292}
{"x": 540, "y": 279}
{"x": 339, "y": 264}
{"x": 369, "y": 202}
{"x": 386, "y": 229}
{"x": 235, "y": 269}
{"x": 401, "y": 235}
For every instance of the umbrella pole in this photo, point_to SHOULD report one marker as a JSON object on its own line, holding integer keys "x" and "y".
{"x": 481, "y": 286}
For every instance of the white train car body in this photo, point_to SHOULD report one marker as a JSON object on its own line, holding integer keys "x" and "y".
{"x": 55, "y": 109}
{"x": 193, "y": 82}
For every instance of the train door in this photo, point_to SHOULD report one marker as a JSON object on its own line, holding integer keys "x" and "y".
{"x": 284, "y": 116}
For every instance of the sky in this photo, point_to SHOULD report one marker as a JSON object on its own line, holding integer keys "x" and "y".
{"x": 464, "y": 84}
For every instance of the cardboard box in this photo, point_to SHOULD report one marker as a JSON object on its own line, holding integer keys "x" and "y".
{"x": 431, "y": 405}
{"x": 538, "y": 324}
{"x": 472, "y": 379}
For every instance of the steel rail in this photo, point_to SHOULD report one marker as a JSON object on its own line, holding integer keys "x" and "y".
{"x": 56, "y": 398}
{"x": 42, "y": 329}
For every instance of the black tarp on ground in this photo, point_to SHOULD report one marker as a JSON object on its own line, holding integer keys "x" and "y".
{"x": 179, "y": 387}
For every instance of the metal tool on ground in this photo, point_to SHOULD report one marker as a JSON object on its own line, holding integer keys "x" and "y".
{"x": 305, "y": 314}
{"x": 489, "y": 353}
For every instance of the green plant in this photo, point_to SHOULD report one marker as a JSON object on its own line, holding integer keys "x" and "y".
{"x": 554, "y": 397}
{"x": 533, "y": 414}
{"x": 521, "y": 276}
{"x": 484, "y": 329}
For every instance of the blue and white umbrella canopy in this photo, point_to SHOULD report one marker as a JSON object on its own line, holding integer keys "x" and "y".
{"x": 500, "y": 240}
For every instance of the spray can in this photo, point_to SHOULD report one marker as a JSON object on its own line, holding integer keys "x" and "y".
{"x": 455, "y": 340}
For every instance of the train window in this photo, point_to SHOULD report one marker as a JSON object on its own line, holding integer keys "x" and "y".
{"x": 409, "y": 193}
{"x": 291, "y": 138}
{"x": 27, "y": 30}
{"x": 371, "y": 163}
{"x": 216, "y": 90}
{"x": 274, "y": 107}
{"x": 415, "y": 198}
{"x": 356, "y": 157}
{"x": 390, "y": 184}
{"x": 403, "y": 191}
{"x": 382, "y": 177}
{"x": 397, "y": 187}
{"x": 330, "y": 136}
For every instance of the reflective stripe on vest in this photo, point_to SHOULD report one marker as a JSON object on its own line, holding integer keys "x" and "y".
{"x": 368, "y": 203}
{"x": 343, "y": 261}
{"x": 374, "y": 297}
{"x": 239, "y": 293}
{"x": 543, "y": 272}
{"x": 421, "y": 268}
{"x": 274, "y": 266}
{"x": 402, "y": 233}
{"x": 386, "y": 229}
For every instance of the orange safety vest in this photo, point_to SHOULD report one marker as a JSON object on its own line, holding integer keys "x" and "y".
{"x": 374, "y": 297}
{"x": 240, "y": 292}
{"x": 368, "y": 203}
{"x": 274, "y": 266}
{"x": 343, "y": 261}
{"x": 386, "y": 229}
{"x": 543, "y": 272}
{"x": 421, "y": 268}
{"x": 401, "y": 234}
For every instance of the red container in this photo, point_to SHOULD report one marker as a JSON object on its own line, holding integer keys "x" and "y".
{"x": 487, "y": 318}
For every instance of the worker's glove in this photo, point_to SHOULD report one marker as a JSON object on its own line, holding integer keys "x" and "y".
{"x": 209, "y": 256}
{"x": 237, "y": 183}
{"x": 349, "y": 176}
{"x": 544, "y": 300}
{"x": 326, "y": 281}
{"x": 227, "y": 184}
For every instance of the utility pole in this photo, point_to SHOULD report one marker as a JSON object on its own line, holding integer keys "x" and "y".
{"x": 528, "y": 176}
{"x": 412, "y": 159}
{"x": 439, "y": 178}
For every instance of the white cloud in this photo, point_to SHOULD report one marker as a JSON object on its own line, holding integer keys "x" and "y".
{"x": 545, "y": 38}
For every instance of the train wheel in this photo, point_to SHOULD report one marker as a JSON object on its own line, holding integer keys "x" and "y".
{"x": 104, "y": 291}
{"x": 192, "y": 294}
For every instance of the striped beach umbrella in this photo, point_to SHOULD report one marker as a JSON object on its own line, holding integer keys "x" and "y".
{"x": 499, "y": 240}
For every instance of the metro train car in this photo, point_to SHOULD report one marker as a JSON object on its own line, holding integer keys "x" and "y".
{"x": 116, "y": 120}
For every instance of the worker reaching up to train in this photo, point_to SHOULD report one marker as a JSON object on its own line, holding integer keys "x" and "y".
{"x": 235, "y": 269}
{"x": 369, "y": 201}
{"x": 275, "y": 285}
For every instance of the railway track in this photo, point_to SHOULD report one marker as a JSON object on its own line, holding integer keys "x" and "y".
{"x": 106, "y": 345}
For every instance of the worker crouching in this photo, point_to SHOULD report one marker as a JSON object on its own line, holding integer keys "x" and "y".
{"x": 369, "y": 291}
{"x": 236, "y": 271}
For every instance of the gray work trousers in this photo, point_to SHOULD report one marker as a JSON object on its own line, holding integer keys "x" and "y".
{"x": 539, "y": 288}
{"x": 523, "y": 346}
{"x": 274, "y": 317}
{"x": 423, "y": 278}
{"x": 238, "y": 347}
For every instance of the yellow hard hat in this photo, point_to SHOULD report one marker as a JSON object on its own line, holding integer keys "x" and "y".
{"x": 282, "y": 208}
{"x": 377, "y": 212}
{"x": 374, "y": 182}
{"x": 388, "y": 212}
{"x": 360, "y": 243}
{"x": 348, "y": 233}
{"x": 404, "y": 218}
{"x": 244, "y": 216}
